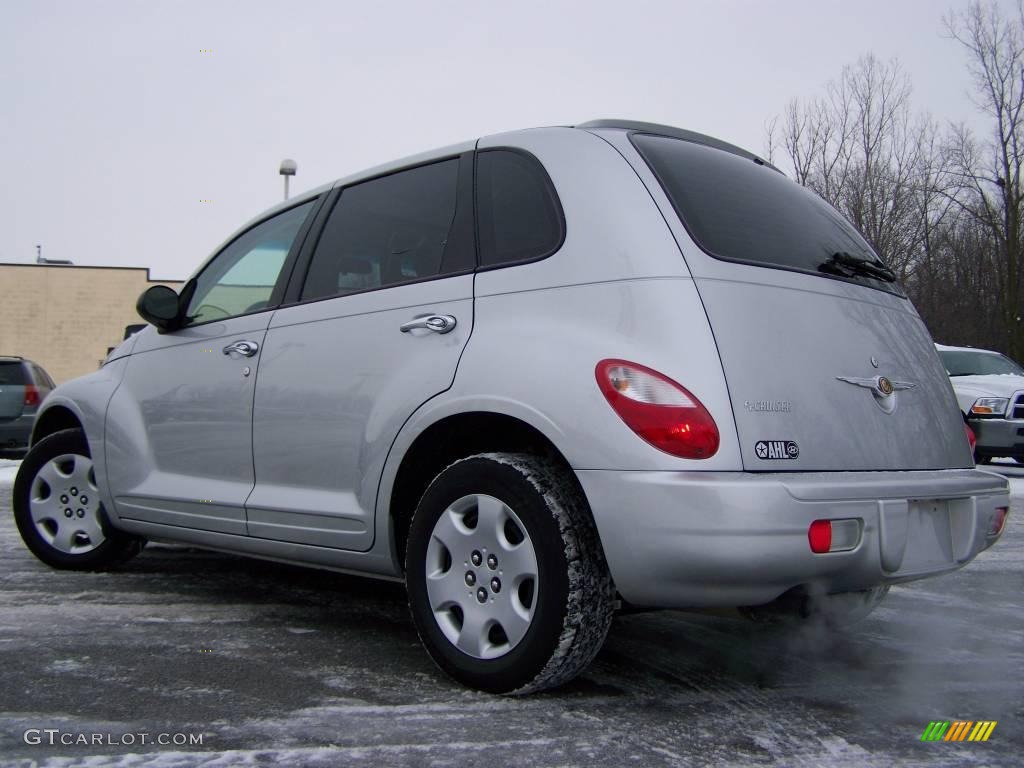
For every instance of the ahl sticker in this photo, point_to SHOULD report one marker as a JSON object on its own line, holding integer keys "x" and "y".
{"x": 777, "y": 449}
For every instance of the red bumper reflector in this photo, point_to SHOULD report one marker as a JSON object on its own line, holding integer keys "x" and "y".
{"x": 820, "y": 536}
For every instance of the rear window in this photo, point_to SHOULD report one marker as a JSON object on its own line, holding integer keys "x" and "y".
{"x": 738, "y": 209}
{"x": 12, "y": 372}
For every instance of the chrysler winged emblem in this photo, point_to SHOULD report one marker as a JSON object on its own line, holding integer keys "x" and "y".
{"x": 883, "y": 389}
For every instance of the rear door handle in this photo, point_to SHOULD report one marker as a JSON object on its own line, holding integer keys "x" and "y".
{"x": 435, "y": 323}
{"x": 242, "y": 348}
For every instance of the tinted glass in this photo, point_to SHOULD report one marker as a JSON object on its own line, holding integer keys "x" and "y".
{"x": 242, "y": 276}
{"x": 965, "y": 363}
{"x": 12, "y": 372}
{"x": 738, "y": 209}
{"x": 519, "y": 214}
{"x": 391, "y": 230}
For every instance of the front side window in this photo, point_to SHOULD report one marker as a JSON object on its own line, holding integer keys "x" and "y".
{"x": 519, "y": 215}
{"x": 394, "y": 229}
{"x": 738, "y": 209}
{"x": 242, "y": 276}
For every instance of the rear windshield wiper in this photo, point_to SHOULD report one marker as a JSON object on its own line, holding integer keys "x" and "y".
{"x": 847, "y": 265}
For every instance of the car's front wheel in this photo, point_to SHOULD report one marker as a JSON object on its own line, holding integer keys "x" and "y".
{"x": 57, "y": 507}
{"x": 508, "y": 585}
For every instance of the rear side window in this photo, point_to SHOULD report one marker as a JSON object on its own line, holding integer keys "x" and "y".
{"x": 737, "y": 209}
{"x": 520, "y": 218}
{"x": 394, "y": 229}
{"x": 12, "y": 372}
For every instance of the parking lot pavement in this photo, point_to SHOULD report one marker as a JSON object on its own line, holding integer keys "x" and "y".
{"x": 271, "y": 664}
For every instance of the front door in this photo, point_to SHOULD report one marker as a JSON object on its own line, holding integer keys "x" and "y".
{"x": 179, "y": 427}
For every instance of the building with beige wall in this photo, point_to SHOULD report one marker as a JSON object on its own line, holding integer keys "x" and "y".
{"x": 64, "y": 317}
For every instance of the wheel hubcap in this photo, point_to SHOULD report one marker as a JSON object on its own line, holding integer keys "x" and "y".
{"x": 481, "y": 576}
{"x": 64, "y": 502}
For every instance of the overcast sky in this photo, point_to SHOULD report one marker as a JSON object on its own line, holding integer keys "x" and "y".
{"x": 116, "y": 123}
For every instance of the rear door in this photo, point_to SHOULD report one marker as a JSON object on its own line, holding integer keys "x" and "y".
{"x": 829, "y": 366}
{"x": 377, "y": 327}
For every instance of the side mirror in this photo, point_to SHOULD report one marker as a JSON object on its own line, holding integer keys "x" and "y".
{"x": 160, "y": 306}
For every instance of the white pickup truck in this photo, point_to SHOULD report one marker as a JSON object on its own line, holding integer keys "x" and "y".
{"x": 989, "y": 388}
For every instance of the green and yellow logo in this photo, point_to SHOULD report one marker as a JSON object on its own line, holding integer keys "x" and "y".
{"x": 958, "y": 730}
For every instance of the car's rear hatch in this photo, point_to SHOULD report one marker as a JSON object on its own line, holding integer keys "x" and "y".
{"x": 12, "y": 389}
{"x": 829, "y": 367}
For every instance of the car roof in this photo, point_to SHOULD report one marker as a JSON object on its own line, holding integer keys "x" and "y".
{"x": 453, "y": 150}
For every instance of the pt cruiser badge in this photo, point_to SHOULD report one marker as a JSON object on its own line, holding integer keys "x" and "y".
{"x": 882, "y": 388}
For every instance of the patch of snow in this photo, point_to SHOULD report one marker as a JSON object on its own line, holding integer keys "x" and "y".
{"x": 8, "y": 471}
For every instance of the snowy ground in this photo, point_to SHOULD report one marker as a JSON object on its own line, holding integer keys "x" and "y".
{"x": 283, "y": 666}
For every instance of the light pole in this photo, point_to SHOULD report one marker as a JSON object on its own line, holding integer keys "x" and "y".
{"x": 288, "y": 168}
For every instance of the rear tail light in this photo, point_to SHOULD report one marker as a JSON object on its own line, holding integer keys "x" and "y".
{"x": 998, "y": 521}
{"x": 658, "y": 409}
{"x": 833, "y": 535}
{"x": 31, "y": 395}
{"x": 971, "y": 439}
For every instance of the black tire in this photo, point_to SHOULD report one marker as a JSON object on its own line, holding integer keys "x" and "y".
{"x": 573, "y": 599}
{"x": 93, "y": 544}
{"x": 838, "y": 611}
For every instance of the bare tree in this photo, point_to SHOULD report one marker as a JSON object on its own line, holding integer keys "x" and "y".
{"x": 991, "y": 173}
{"x": 859, "y": 148}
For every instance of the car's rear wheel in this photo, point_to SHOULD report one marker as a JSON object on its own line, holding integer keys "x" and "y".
{"x": 57, "y": 507}
{"x": 838, "y": 610}
{"x": 508, "y": 585}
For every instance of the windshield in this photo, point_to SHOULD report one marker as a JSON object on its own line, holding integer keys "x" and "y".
{"x": 738, "y": 209}
{"x": 969, "y": 363}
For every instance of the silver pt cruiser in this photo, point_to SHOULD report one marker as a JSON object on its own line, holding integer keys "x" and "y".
{"x": 537, "y": 377}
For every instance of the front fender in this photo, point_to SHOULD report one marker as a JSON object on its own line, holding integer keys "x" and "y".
{"x": 86, "y": 398}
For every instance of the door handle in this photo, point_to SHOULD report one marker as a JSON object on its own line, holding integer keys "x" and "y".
{"x": 435, "y": 323}
{"x": 243, "y": 348}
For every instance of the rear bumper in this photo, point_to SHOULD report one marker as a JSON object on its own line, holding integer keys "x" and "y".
{"x": 14, "y": 434}
{"x": 999, "y": 437}
{"x": 692, "y": 539}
